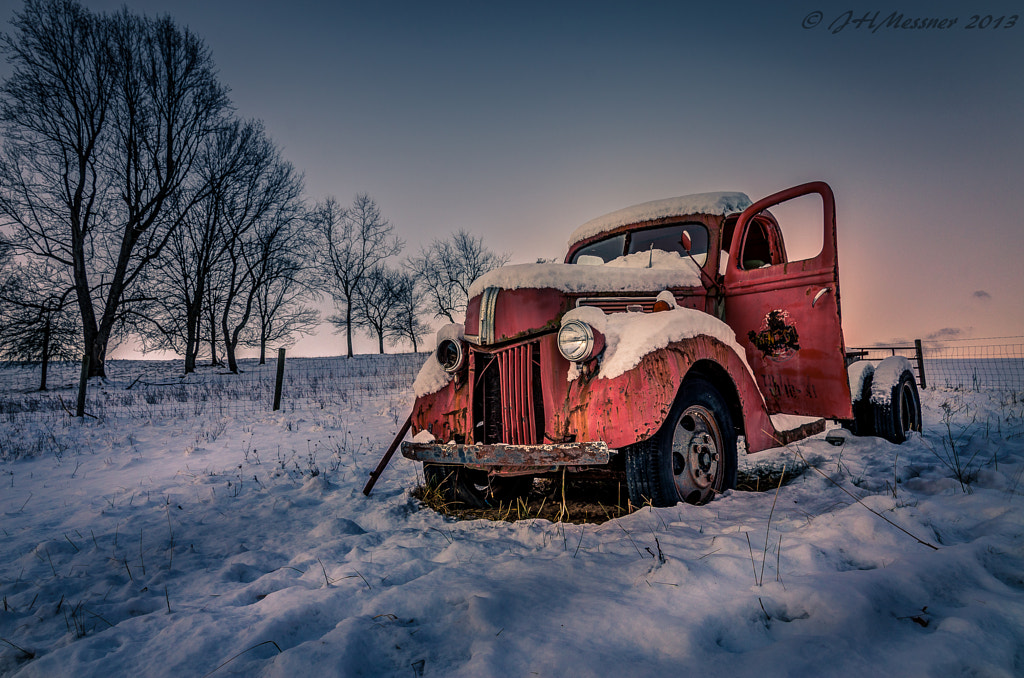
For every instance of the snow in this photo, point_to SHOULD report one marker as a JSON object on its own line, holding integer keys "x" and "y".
{"x": 668, "y": 298}
{"x": 423, "y": 437}
{"x": 886, "y": 375}
{"x": 789, "y": 422}
{"x": 719, "y": 203}
{"x": 857, "y": 372}
{"x": 432, "y": 377}
{"x": 629, "y": 273}
{"x": 199, "y": 544}
{"x": 631, "y": 336}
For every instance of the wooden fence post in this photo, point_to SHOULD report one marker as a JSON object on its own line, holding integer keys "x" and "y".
{"x": 280, "y": 379}
{"x": 920, "y": 362}
{"x": 80, "y": 411}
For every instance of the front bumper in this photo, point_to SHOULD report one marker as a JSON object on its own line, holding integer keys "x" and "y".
{"x": 501, "y": 454}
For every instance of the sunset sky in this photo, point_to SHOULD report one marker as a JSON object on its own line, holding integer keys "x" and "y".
{"x": 520, "y": 121}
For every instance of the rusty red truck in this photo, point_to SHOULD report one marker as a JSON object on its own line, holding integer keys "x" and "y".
{"x": 674, "y": 333}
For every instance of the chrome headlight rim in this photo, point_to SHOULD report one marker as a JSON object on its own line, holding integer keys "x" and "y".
{"x": 450, "y": 355}
{"x": 576, "y": 341}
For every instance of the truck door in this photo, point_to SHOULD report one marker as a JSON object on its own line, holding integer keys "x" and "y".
{"x": 786, "y": 313}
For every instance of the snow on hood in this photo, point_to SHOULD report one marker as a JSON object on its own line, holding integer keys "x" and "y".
{"x": 630, "y": 336}
{"x": 721, "y": 202}
{"x": 626, "y": 274}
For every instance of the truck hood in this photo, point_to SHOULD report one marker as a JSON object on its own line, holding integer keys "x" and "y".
{"x": 528, "y": 298}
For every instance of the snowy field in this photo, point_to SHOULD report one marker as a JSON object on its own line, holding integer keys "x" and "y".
{"x": 211, "y": 536}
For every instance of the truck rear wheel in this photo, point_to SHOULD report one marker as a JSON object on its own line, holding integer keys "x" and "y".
{"x": 692, "y": 458}
{"x": 460, "y": 486}
{"x": 899, "y": 412}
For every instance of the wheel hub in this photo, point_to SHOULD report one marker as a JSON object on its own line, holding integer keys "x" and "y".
{"x": 696, "y": 457}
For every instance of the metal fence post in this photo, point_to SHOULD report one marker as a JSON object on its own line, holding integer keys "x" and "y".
{"x": 920, "y": 362}
{"x": 80, "y": 412}
{"x": 280, "y": 379}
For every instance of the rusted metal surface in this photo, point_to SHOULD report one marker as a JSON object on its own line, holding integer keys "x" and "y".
{"x": 501, "y": 454}
{"x": 518, "y": 418}
{"x": 514, "y": 394}
{"x": 634, "y": 405}
{"x": 444, "y": 413}
{"x": 787, "y": 315}
{"x": 799, "y": 433}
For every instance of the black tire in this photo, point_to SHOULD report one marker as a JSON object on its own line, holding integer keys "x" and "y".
{"x": 863, "y": 423}
{"x": 899, "y": 413}
{"x": 692, "y": 458}
{"x": 461, "y": 486}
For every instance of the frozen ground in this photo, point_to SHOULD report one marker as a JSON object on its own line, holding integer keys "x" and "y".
{"x": 239, "y": 543}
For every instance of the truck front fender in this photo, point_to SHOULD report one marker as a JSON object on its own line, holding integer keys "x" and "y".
{"x": 633, "y": 406}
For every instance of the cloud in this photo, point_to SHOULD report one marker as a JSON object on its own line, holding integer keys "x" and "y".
{"x": 982, "y": 294}
{"x": 945, "y": 333}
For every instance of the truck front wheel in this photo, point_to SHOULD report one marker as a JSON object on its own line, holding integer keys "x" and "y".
{"x": 692, "y": 458}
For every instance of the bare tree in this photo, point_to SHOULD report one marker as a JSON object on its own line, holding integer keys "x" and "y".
{"x": 182, "y": 281}
{"x": 405, "y": 323}
{"x": 103, "y": 116}
{"x": 373, "y": 303}
{"x": 36, "y": 319}
{"x": 280, "y": 309}
{"x": 355, "y": 240}
{"x": 261, "y": 215}
{"x": 447, "y": 268}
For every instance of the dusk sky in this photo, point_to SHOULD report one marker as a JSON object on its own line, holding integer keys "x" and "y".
{"x": 520, "y": 121}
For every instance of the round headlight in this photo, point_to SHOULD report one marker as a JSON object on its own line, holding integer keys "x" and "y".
{"x": 576, "y": 340}
{"x": 449, "y": 354}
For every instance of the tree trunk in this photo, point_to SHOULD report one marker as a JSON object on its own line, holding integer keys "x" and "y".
{"x": 380, "y": 342}
{"x": 263, "y": 350}
{"x": 46, "y": 354}
{"x": 229, "y": 345}
{"x": 191, "y": 342}
{"x": 213, "y": 342}
{"x": 348, "y": 325}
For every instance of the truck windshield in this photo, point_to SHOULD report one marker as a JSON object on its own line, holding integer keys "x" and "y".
{"x": 671, "y": 238}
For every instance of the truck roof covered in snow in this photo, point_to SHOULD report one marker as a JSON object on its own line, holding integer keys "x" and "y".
{"x": 721, "y": 202}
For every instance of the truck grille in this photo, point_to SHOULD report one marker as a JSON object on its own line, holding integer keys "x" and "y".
{"x": 507, "y": 397}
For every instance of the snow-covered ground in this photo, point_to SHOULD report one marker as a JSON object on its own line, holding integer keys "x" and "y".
{"x": 238, "y": 542}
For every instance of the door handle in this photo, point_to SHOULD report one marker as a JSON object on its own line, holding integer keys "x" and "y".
{"x": 822, "y": 292}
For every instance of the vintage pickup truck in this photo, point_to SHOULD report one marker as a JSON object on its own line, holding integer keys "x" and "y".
{"x": 674, "y": 333}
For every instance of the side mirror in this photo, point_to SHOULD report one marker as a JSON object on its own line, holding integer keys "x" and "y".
{"x": 685, "y": 241}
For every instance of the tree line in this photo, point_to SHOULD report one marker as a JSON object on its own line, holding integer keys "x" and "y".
{"x": 136, "y": 204}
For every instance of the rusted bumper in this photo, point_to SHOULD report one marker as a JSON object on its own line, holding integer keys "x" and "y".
{"x": 500, "y": 454}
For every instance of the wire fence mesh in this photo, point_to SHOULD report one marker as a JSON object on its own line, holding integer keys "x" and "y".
{"x": 977, "y": 364}
{"x": 138, "y": 389}
{"x": 995, "y": 363}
